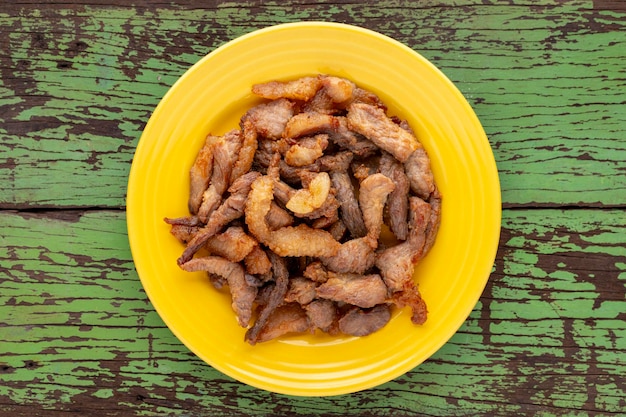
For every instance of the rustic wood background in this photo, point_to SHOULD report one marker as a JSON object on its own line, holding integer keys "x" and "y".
{"x": 78, "y": 82}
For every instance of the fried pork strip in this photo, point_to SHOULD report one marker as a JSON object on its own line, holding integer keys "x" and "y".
{"x": 373, "y": 123}
{"x": 372, "y": 197}
{"x": 359, "y": 290}
{"x": 361, "y": 322}
{"x": 275, "y": 297}
{"x": 302, "y": 89}
{"x": 225, "y": 152}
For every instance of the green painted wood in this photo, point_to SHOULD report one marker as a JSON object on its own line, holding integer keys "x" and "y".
{"x": 79, "y": 81}
{"x": 548, "y": 336}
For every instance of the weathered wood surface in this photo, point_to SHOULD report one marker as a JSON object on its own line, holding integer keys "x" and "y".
{"x": 78, "y": 83}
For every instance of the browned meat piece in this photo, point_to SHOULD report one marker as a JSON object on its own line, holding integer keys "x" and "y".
{"x": 316, "y": 272}
{"x": 275, "y": 298}
{"x": 233, "y": 244}
{"x": 305, "y": 200}
{"x": 358, "y": 322}
{"x": 224, "y": 156}
{"x": 354, "y": 256}
{"x": 301, "y": 89}
{"x": 283, "y": 191}
{"x": 409, "y": 296}
{"x": 397, "y": 262}
{"x": 373, "y": 123}
{"x": 184, "y": 233}
{"x": 354, "y": 142}
{"x": 278, "y": 217}
{"x": 365, "y": 167}
{"x": 200, "y": 173}
{"x": 338, "y": 230}
{"x": 308, "y": 124}
{"x": 417, "y": 168}
{"x": 372, "y": 197}
{"x": 306, "y": 150}
{"x": 350, "y": 211}
{"x": 232, "y": 208}
{"x": 269, "y": 119}
{"x": 367, "y": 97}
{"x": 359, "y": 290}
{"x": 243, "y": 294}
{"x": 247, "y": 151}
{"x": 301, "y": 290}
{"x": 398, "y": 200}
{"x": 300, "y": 240}
{"x": 433, "y": 220}
{"x": 330, "y": 98}
{"x": 257, "y": 262}
{"x": 184, "y": 221}
{"x": 338, "y": 89}
{"x": 288, "y": 318}
{"x": 322, "y": 314}
{"x": 339, "y": 161}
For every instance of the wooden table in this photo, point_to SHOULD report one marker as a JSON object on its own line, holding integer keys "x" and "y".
{"x": 78, "y": 83}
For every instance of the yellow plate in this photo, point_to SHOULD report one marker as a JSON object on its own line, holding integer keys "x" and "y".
{"x": 211, "y": 97}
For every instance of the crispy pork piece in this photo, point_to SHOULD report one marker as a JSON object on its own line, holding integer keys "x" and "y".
{"x": 397, "y": 262}
{"x": 338, "y": 230}
{"x": 301, "y": 290}
{"x": 305, "y": 200}
{"x": 306, "y": 150}
{"x": 373, "y": 123}
{"x": 224, "y": 155}
{"x": 233, "y": 244}
{"x": 321, "y": 313}
{"x": 434, "y": 220}
{"x": 354, "y": 256}
{"x": 269, "y": 119}
{"x": 300, "y": 240}
{"x": 360, "y": 95}
{"x": 398, "y": 200}
{"x": 285, "y": 319}
{"x": 246, "y": 152}
{"x": 301, "y": 89}
{"x": 359, "y": 322}
{"x": 350, "y": 140}
{"x": 372, "y": 198}
{"x": 350, "y": 211}
{"x": 417, "y": 168}
{"x": 308, "y": 124}
{"x": 231, "y": 209}
{"x": 315, "y": 271}
{"x": 331, "y": 98}
{"x": 359, "y": 290}
{"x": 184, "y": 233}
{"x": 363, "y": 168}
{"x": 257, "y": 262}
{"x": 243, "y": 294}
{"x": 200, "y": 173}
{"x": 409, "y": 296}
{"x": 278, "y": 217}
{"x": 275, "y": 297}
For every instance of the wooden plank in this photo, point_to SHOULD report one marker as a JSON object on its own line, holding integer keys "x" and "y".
{"x": 78, "y": 334}
{"x": 79, "y": 81}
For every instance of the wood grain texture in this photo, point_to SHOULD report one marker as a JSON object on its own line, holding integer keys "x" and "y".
{"x": 79, "y": 82}
{"x": 78, "y": 334}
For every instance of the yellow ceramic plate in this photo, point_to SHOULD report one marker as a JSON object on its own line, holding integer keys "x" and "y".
{"x": 211, "y": 97}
